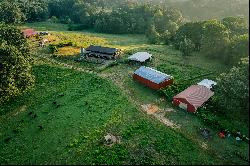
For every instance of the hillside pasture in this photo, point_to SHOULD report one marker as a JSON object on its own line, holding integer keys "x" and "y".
{"x": 135, "y": 95}
{"x": 64, "y": 118}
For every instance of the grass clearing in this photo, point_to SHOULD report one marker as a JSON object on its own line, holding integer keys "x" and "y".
{"x": 46, "y": 26}
{"x": 85, "y": 112}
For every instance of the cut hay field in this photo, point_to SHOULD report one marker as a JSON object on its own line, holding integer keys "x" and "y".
{"x": 63, "y": 119}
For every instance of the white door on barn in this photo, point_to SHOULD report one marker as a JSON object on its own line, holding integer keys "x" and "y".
{"x": 183, "y": 106}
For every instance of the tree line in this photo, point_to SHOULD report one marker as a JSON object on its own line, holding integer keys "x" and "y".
{"x": 226, "y": 40}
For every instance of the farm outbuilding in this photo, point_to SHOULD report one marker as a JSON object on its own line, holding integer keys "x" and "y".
{"x": 152, "y": 78}
{"x": 29, "y": 32}
{"x": 140, "y": 57}
{"x": 193, "y": 97}
{"x": 207, "y": 83}
{"x": 102, "y": 52}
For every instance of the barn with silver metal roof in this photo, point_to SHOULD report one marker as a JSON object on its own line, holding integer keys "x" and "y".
{"x": 140, "y": 57}
{"x": 152, "y": 78}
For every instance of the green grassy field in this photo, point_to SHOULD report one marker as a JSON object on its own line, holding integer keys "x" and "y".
{"x": 88, "y": 106}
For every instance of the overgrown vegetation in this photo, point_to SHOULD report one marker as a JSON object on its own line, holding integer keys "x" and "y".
{"x": 15, "y": 63}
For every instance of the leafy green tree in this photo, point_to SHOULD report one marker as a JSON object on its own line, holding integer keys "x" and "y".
{"x": 34, "y": 10}
{"x": 10, "y": 13}
{"x": 215, "y": 39}
{"x": 15, "y": 63}
{"x": 193, "y": 31}
{"x": 232, "y": 90}
{"x": 152, "y": 35}
{"x": 237, "y": 49}
{"x": 236, "y": 25}
{"x": 186, "y": 47}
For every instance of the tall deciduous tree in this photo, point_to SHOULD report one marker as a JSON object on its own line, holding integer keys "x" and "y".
{"x": 186, "y": 47}
{"x": 232, "y": 89}
{"x": 10, "y": 13}
{"x": 191, "y": 30}
{"x": 152, "y": 35}
{"x": 15, "y": 67}
{"x": 236, "y": 25}
{"x": 214, "y": 40}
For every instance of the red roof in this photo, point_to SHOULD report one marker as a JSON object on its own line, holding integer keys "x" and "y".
{"x": 196, "y": 95}
{"x": 29, "y": 32}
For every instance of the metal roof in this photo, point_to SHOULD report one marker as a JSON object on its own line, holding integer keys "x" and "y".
{"x": 140, "y": 56}
{"x": 99, "y": 49}
{"x": 152, "y": 74}
{"x": 207, "y": 83}
{"x": 196, "y": 95}
{"x": 29, "y": 32}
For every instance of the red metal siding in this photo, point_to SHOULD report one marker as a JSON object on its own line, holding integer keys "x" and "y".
{"x": 152, "y": 84}
{"x": 190, "y": 107}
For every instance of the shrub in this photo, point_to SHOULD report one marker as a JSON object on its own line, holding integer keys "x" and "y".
{"x": 173, "y": 90}
{"x": 53, "y": 48}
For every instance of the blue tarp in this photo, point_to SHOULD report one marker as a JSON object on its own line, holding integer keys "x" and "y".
{"x": 152, "y": 74}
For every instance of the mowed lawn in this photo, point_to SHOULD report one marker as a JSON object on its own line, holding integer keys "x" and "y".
{"x": 64, "y": 118}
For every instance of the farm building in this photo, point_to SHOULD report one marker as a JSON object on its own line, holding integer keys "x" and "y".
{"x": 152, "y": 78}
{"x": 207, "y": 83}
{"x": 193, "y": 97}
{"x": 102, "y": 52}
{"x": 140, "y": 57}
{"x": 29, "y": 32}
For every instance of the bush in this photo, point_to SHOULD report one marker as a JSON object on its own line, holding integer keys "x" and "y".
{"x": 60, "y": 45}
{"x": 53, "y": 48}
{"x": 70, "y": 43}
{"x": 173, "y": 90}
{"x": 53, "y": 19}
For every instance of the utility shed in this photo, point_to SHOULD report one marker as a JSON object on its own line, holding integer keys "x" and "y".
{"x": 152, "y": 78}
{"x": 207, "y": 83}
{"x": 102, "y": 52}
{"x": 140, "y": 57}
{"x": 29, "y": 32}
{"x": 193, "y": 97}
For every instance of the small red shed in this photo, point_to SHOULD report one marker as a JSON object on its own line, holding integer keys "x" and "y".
{"x": 29, "y": 32}
{"x": 152, "y": 78}
{"x": 193, "y": 97}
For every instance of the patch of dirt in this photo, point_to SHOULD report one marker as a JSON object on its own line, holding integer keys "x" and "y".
{"x": 154, "y": 110}
{"x": 161, "y": 117}
{"x": 204, "y": 145}
{"x": 150, "y": 108}
{"x": 111, "y": 139}
{"x": 22, "y": 109}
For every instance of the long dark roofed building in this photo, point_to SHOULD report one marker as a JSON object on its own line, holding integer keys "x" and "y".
{"x": 102, "y": 52}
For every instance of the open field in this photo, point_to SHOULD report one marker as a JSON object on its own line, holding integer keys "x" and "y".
{"x": 87, "y": 107}
{"x": 76, "y": 110}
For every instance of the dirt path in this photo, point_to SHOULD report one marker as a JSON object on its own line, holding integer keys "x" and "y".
{"x": 66, "y": 65}
{"x": 159, "y": 114}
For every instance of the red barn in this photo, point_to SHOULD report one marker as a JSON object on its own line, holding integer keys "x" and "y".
{"x": 29, "y": 32}
{"x": 193, "y": 97}
{"x": 152, "y": 78}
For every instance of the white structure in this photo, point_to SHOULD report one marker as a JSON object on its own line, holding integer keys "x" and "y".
{"x": 45, "y": 40}
{"x": 207, "y": 83}
{"x": 82, "y": 51}
{"x": 140, "y": 56}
